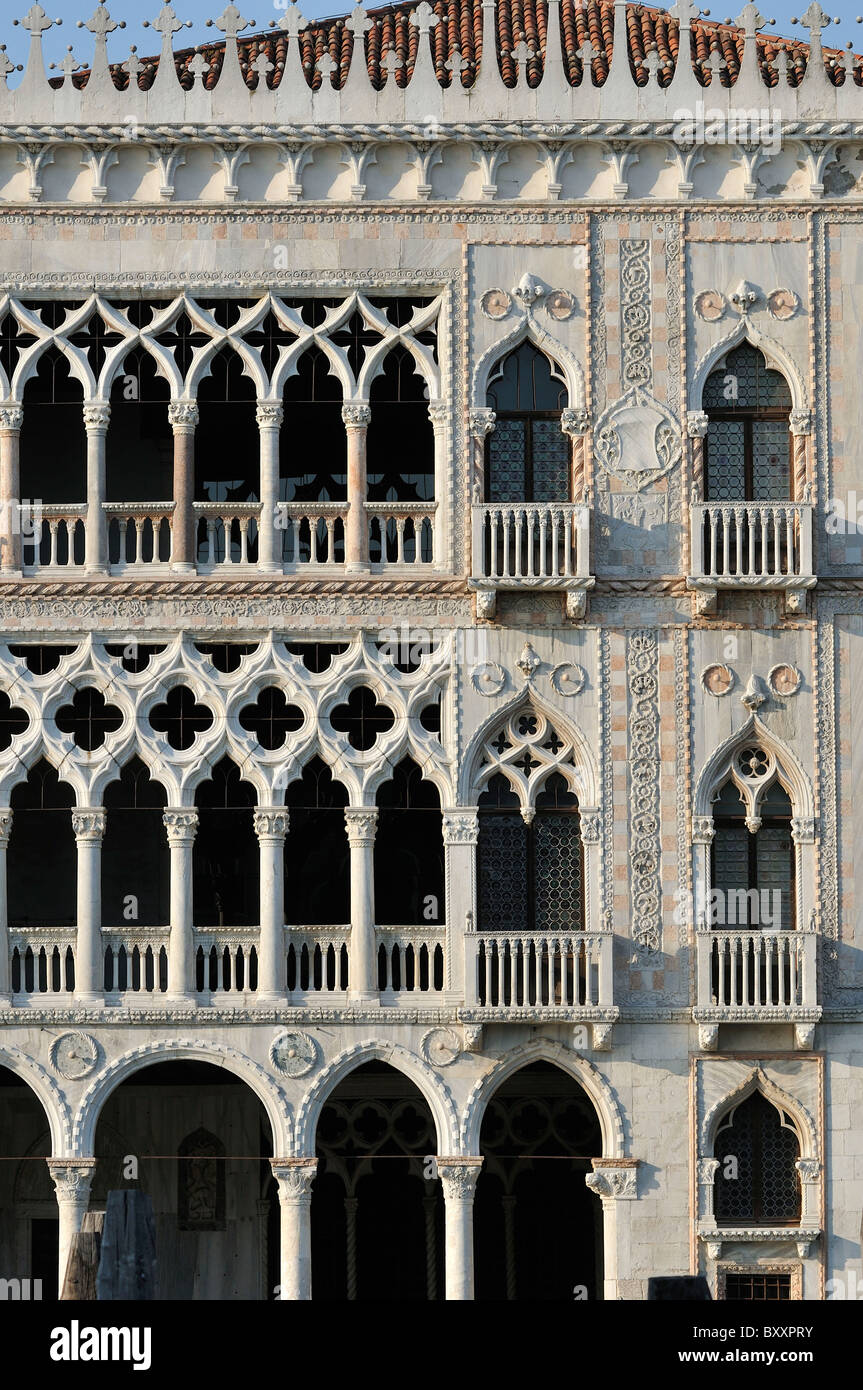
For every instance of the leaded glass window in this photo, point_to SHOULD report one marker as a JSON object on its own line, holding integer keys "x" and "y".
{"x": 527, "y": 454}
{"x": 748, "y": 445}
{"x": 753, "y": 871}
{"x": 756, "y": 1181}
{"x": 530, "y": 876}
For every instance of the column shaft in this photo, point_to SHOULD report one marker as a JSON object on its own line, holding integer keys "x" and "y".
{"x": 295, "y": 1177}
{"x": 89, "y": 826}
{"x": 181, "y": 825}
{"x": 271, "y": 826}
{"x": 361, "y": 824}
{"x": 72, "y": 1178}
{"x": 5, "y": 979}
{"x": 97, "y": 415}
{"x": 270, "y": 417}
{"x": 459, "y": 1177}
{"x": 184, "y": 419}
{"x": 356, "y": 416}
{"x": 11, "y": 420}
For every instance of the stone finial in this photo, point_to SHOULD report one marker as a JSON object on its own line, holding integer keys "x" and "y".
{"x": 69, "y": 64}
{"x": 750, "y": 20}
{"x": 133, "y": 65}
{"x": 358, "y": 22}
{"x": 814, "y": 19}
{"x": 6, "y": 64}
{"x": 424, "y": 17}
{"x": 36, "y": 22}
{"x": 167, "y": 23}
{"x": 456, "y": 64}
{"x": 101, "y": 24}
{"x": 521, "y": 53}
{"x": 231, "y": 22}
{"x": 198, "y": 67}
{"x": 325, "y": 65}
{"x": 587, "y": 53}
{"x": 294, "y": 21}
{"x": 654, "y": 65}
{"x": 391, "y": 62}
{"x": 684, "y": 11}
{"x": 262, "y": 66}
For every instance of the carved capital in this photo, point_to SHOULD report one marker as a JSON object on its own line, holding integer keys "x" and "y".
{"x": 361, "y": 823}
{"x": 460, "y": 827}
{"x": 72, "y": 1178}
{"x": 438, "y": 413}
{"x": 5, "y": 825}
{"x": 482, "y": 422}
{"x": 808, "y": 1168}
{"x": 295, "y": 1177}
{"x": 574, "y": 421}
{"x": 459, "y": 1177}
{"x": 181, "y": 824}
{"x": 97, "y": 416}
{"x": 707, "y": 1170}
{"x": 88, "y": 823}
{"x": 183, "y": 415}
{"x": 614, "y": 1178}
{"x": 696, "y": 424}
{"x": 591, "y": 827}
{"x": 800, "y": 422}
{"x": 803, "y": 830}
{"x": 11, "y": 418}
{"x": 270, "y": 415}
{"x": 271, "y": 822}
{"x": 356, "y": 415}
{"x": 703, "y": 830}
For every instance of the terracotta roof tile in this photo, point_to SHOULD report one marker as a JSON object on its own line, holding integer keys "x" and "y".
{"x": 649, "y": 29}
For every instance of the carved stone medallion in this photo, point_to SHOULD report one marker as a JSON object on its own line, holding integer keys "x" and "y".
{"x": 294, "y": 1054}
{"x": 784, "y": 679}
{"x": 567, "y": 678}
{"x": 495, "y": 304}
{"x": 488, "y": 679}
{"x": 710, "y": 305}
{"x": 717, "y": 679}
{"x": 74, "y": 1055}
{"x": 441, "y": 1047}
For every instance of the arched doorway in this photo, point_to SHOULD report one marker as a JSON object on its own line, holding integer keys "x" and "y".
{"x": 537, "y": 1226}
{"x": 29, "y": 1220}
{"x": 377, "y": 1221}
{"x": 200, "y": 1143}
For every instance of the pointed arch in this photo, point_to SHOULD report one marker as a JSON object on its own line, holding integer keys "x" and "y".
{"x": 594, "y": 1084}
{"x": 582, "y": 777}
{"x": 757, "y": 1080}
{"x": 776, "y": 356}
{"x": 428, "y": 1082}
{"x": 789, "y": 771}
{"x": 528, "y": 330}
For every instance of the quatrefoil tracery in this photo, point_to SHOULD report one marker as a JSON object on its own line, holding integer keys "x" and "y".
{"x": 526, "y": 748}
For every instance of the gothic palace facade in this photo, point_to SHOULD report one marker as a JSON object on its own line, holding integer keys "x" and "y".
{"x": 432, "y": 605}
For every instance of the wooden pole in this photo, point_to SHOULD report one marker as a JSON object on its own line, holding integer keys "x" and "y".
{"x": 127, "y": 1268}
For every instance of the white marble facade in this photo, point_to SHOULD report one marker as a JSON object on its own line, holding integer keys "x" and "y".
{"x": 637, "y": 277}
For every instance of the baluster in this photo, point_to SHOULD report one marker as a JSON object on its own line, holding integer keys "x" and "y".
{"x": 546, "y": 568}
{"x": 738, "y": 539}
{"x": 791, "y": 560}
{"x": 244, "y": 539}
{"x": 53, "y": 526}
{"x": 721, "y": 982}
{"x": 520, "y": 524}
{"x": 726, "y": 541}
{"x": 431, "y": 533}
{"x": 331, "y": 540}
{"x": 211, "y": 540}
{"x": 138, "y": 556}
{"x": 501, "y": 972}
{"x": 401, "y": 523}
{"x": 752, "y": 522}
{"x": 507, "y": 520}
{"x": 745, "y": 974}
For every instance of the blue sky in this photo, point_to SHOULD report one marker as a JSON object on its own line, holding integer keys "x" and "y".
{"x": 198, "y": 11}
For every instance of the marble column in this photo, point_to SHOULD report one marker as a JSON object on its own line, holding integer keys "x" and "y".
{"x": 800, "y": 424}
{"x": 88, "y": 823}
{"x": 183, "y": 416}
{"x": 5, "y": 974}
{"x": 270, "y": 417}
{"x": 439, "y": 414}
{"x": 295, "y": 1177}
{"x": 459, "y": 1178}
{"x": 11, "y": 421}
{"x": 460, "y": 836}
{"x": 361, "y": 825}
{"x": 97, "y": 417}
{"x": 356, "y": 416}
{"x": 696, "y": 430}
{"x": 181, "y": 824}
{"x": 72, "y": 1178}
{"x": 271, "y": 827}
{"x": 575, "y": 423}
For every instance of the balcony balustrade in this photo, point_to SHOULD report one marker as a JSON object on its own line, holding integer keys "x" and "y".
{"x": 751, "y": 545}
{"x": 531, "y": 545}
{"x": 756, "y": 977}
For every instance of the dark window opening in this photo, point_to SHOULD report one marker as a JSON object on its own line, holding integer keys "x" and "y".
{"x": 747, "y": 454}
{"x": 401, "y": 455}
{"x": 134, "y": 656}
{"x": 317, "y": 857}
{"x": 227, "y": 441}
{"x": 41, "y": 660}
{"x": 135, "y": 853}
{"x": 271, "y": 718}
{"x": 753, "y": 873}
{"x": 362, "y": 718}
{"x": 180, "y": 718}
{"x": 527, "y": 454}
{"x": 42, "y": 856}
{"x": 53, "y": 437}
{"x": 409, "y": 855}
{"x": 139, "y": 450}
{"x": 756, "y": 1181}
{"x": 13, "y": 341}
{"x": 317, "y": 656}
{"x": 756, "y": 1287}
{"x": 13, "y": 720}
{"x": 226, "y": 855}
{"x": 530, "y": 877}
{"x": 226, "y": 656}
{"x": 89, "y": 718}
{"x": 313, "y": 443}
